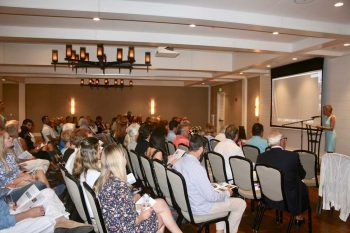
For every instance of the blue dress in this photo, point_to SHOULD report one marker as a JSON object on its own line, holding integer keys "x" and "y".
{"x": 330, "y": 136}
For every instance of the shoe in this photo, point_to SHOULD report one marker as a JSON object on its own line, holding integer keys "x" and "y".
{"x": 299, "y": 222}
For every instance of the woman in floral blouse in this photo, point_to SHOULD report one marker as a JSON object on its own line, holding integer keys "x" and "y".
{"x": 117, "y": 203}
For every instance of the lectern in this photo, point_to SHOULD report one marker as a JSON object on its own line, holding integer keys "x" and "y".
{"x": 314, "y": 141}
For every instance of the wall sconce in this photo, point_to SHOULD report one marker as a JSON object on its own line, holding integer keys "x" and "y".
{"x": 257, "y": 106}
{"x": 72, "y": 106}
{"x": 152, "y": 106}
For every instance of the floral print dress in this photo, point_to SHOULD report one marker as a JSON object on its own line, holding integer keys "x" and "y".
{"x": 119, "y": 211}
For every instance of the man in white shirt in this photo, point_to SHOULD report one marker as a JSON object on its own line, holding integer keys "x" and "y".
{"x": 203, "y": 198}
{"x": 48, "y": 133}
{"x": 228, "y": 148}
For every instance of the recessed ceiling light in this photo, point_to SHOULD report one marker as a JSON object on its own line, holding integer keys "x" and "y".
{"x": 203, "y": 83}
{"x": 3, "y": 80}
{"x": 275, "y": 33}
{"x": 96, "y": 19}
{"x": 346, "y": 44}
{"x": 192, "y": 25}
{"x": 268, "y": 66}
{"x": 338, "y": 4}
{"x": 241, "y": 73}
{"x": 294, "y": 58}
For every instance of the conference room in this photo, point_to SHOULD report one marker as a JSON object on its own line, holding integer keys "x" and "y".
{"x": 114, "y": 66}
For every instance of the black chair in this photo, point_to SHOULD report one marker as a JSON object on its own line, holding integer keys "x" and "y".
{"x": 76, "y": 193}
{"x": 213, "y": 142}
{"x": 309, "y": 161}
{"x": 179, "y": 191}
{"x": 148, "y": 174}
{"x": 171, "y": 148}
{"x": 251, "y": 152}
{"x": 136, "y": 164}
{"x": 96, "y": 209}
{"x": 272, "y": 188}
{"x": 314, "y": 136}
{"x": 217, "y": 164}
{"x": 183, "y": 147}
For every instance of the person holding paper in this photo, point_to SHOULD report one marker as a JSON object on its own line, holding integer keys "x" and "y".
{"x": 10, "y": 175}
{"x": 116, "y": 199}
{"x": 202, "y": 195}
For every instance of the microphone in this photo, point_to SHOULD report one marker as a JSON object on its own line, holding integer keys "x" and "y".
{"x": 314, "y": 117}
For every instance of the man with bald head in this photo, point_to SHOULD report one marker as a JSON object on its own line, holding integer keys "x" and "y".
{"x": 293, "y": 173}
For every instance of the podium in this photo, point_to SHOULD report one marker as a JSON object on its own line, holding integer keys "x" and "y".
{"x": 314, "y": 136}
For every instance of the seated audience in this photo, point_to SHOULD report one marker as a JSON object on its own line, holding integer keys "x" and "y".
{"x": 47, "y": 217}
{"x": 143, "y": 139}
{"x": 293, "y": 173}
{"x": 172, "y": 129}
{"x": 10, "y": 175}
{"x": 70, "y": 154}
{"x": 120, "y": 130}
{"x": 117, "y": 203}
{"x": 132, "y": 132}
{"x": 228, "y": 148}
{"x": 182, "y": 135}
{"x": 48, "y": 133}
{"x": 157, "y": 147}
{"x": 203, "y": 198}
{"x": 256, "y": 139}
{"x": 23, "y": 157}
{"x": 87, "y": 164}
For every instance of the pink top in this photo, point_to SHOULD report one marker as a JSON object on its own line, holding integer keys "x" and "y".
{"x": 181, "y": 139}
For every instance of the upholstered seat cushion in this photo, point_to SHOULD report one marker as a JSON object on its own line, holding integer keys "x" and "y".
{"x": 204, "y": 218}
{"x": 249, "y": 194}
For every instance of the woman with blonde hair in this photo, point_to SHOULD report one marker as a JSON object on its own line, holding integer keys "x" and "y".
{"x": 328, "y": 127}
{"x": 87, "y": 164}
{"x": 116, "y": 199}
{"x": 10, "y": 175}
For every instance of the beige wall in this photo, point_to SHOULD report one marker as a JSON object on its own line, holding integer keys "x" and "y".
{"x": 10, "y": 97}
{"x": 253, "y": 92}
{"x": 233, "y": 102}
{"x": 54, "y": 100}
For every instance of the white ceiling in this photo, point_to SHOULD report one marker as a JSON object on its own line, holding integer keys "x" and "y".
{"x": 232, "y": 36}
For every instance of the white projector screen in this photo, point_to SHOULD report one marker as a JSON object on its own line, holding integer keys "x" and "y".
{"x": 296, "y": 98}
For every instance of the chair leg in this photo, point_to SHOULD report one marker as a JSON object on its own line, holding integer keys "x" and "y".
{"x": 227, "y": 225}
{"x": 200, "y": 228}
{"x": 256, "y": 216}
{"x": 310, "y": 219}
{"x": 319, "y": 206}
{"x": 207, "y": 228}
{"x": 260, "y": 218}
{"x": 252, "y": 205}
{"x": 281, "y": 217}
{"x": 291, "y": 222}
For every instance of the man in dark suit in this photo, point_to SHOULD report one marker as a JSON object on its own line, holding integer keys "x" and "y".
{"x": 293, "y": 173}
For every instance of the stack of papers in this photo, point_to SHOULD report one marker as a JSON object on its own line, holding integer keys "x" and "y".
{"x": 179, "y": 153}
{"x": 222, "y": 187}
{"x": 144, "y": 203}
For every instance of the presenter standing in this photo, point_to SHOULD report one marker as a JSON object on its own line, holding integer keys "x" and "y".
{"x": 329, "y": 128}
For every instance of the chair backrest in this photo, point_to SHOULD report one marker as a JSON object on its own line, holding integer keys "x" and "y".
{"x": 217, "y": 164}
{"x": 179, "y": 190}
{"x": 242, "y": 173}
{"x": 95, "y": 207}
{"x": 148, "y": 171}
{"x": 160, "y": 174}
{"x": 128, "y": 160}
{"x": 183, "y": 147}
{"x": 308, "y": 160}
{"x": 134, "y": 159}
{"x": 271, "y": 182}
{"x": 251, "y": 152}
{"x": 213, "y": 142}
{"x": 171, "y": 148}
{"x": 76, "y": 193}
{"x": 314, "y": 140}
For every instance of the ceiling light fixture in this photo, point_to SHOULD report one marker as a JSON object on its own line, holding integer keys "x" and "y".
{"x": 82, "y": 60}
{"x": 241, "y": 73}
{"x": 346, "y": 44}
{"x": 275, "y": 33}
{"x": 96, "y": 19}
{"x": 339, "y": 4}
{"x": 294, "y": 58}
{"x": 268, "y": 66}
{"x": 96, "y": 83}
{"x": 192, "y": 25}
